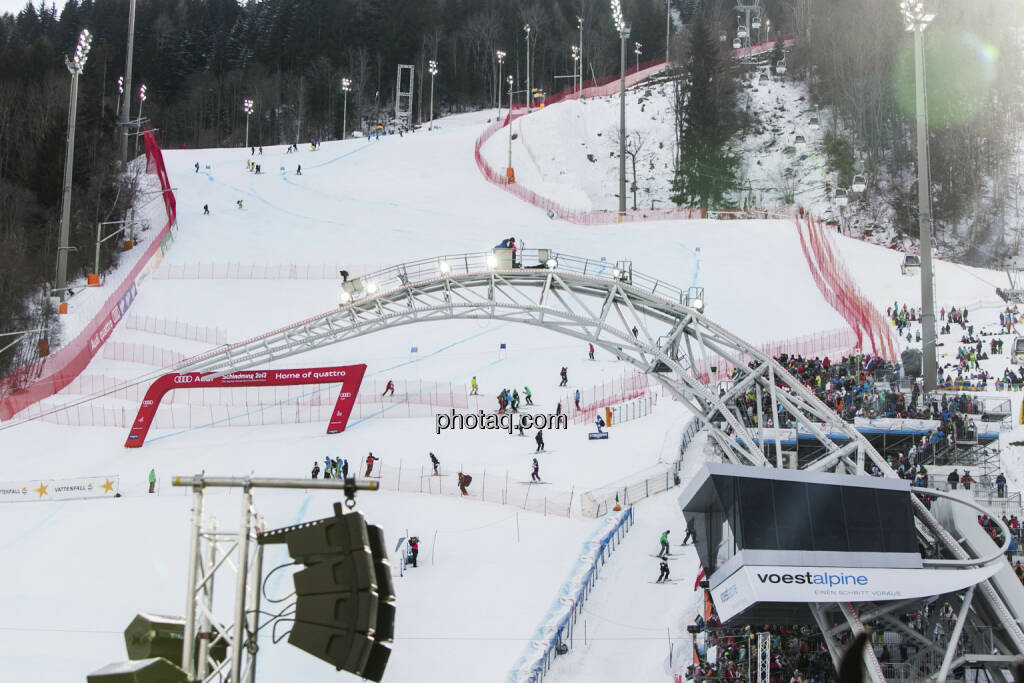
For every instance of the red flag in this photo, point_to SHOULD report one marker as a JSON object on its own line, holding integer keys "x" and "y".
{"x": 696, "y": 584}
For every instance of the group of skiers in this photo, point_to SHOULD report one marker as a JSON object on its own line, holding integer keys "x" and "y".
{"x": 510, "y": 399}
{"x": 665, "y": 552}
{"x": 337, "y": 468}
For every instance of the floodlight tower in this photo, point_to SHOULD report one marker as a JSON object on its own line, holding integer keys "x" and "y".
{"x": 917, "y": 21}
{"x": 529, "y": 93}
{"x": 75, "y": 67}
{"x": 623, "y": 30}
{"x": 120, "y": 92}
{"x": 576, "y": 64}
{"x": 247, "y": 108}
{"x": 579, "y": 20}
{"x": 432, "y": 68}
{"x": 138, "y": 128}
{"x": 346, "y": 86}
{"x": 126, "y": 109}
{"x": 501, "y": 62}
{"x": 508, "y": 170}
{"x": 637, "y": 50}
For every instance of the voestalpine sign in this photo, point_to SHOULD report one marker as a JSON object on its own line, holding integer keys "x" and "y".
{"x": 753, "y": 584}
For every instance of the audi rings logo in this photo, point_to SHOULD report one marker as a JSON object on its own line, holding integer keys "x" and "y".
{"x": 183, "y": 379}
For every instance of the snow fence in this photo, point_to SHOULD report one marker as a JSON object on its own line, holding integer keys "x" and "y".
{"x": 45, "y": 377}
{"x": 557, "y": 630}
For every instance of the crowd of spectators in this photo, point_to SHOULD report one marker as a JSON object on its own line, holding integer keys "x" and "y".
{"x": 798, "y": 653}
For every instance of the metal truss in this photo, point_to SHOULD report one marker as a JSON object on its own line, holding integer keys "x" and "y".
{"x": 212, "y": 553}
{"x": 643, "y": 321}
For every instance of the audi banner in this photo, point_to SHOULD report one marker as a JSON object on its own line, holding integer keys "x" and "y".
{"x": 349, "y": 376}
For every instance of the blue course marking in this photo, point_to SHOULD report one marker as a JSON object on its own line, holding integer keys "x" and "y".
{"x": 34, "y": 528}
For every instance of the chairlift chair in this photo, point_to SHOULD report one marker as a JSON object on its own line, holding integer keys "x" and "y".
{"x": 780, "y": 68}
{"x": 858, "y": 184}
{"x": 741, "y": 30}
{"x": 800, "y": 142}
{"x": 911, "y": 262}
{"x": 842, "y": 197}
{"x": 755, "y": 23}
{"x": 814, "y": 123}
{"x": 762, "y": 79}
{"x": 736, "y": 44}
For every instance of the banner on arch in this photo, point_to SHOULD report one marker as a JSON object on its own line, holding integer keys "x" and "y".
{"x": 349, "y": 376}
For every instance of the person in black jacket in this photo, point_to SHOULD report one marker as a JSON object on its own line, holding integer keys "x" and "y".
{"x": 953, "y": 479}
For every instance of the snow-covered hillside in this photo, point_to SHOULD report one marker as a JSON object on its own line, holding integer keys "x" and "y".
{"x": 489, "y": 573}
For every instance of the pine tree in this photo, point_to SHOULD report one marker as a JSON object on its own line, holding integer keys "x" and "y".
{"x": 706, "y": 118}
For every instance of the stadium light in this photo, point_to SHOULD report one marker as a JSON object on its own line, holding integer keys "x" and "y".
{"x": 444, "y": 267}
{"x": 917, "y": 20}
{"x": 344, "y": 297}
{"x": 371, "y": 287}
{"x": 637, "y": 49}
{"x": 138, "y": 128}
{"x": 247, "y": 108}
{"x": 432, "y": 68}
{"x": 551, "y": 263}
{"x": 120, "y": 91}
{"x": 492, "y": 260}
{"x": 526, "y": 28}
{"x": 75, "y": 67}
{"x": 698, "y": 305}
{"x": 620, "y": 26}
{"x": 501, "y": 62}
{"x": 346, "y": 86}
{"x": 579, "y": 21}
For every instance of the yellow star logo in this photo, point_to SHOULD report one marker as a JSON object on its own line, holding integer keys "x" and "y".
{"x": 41, "y": 490}
{"x": 108, "y": 486}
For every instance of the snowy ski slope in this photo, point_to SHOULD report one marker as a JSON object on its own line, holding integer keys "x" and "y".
{"x": 77, "y": 572}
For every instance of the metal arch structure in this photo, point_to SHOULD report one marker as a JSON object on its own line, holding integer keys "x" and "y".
{"x": 590, "y": 300}
{"x": 647, "y": 323}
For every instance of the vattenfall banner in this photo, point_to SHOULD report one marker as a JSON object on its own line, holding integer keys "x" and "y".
{"x": 58, "y": 489}
{"x": 752, "y": 584}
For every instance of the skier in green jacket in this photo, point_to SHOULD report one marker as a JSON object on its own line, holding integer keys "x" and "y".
{"x": 529, "y": 396}
{"x": 664, "y": 545}
{"x": 152, "y": 481}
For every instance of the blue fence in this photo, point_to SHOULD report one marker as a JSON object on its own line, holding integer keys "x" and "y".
{"x": 555, "y": 635}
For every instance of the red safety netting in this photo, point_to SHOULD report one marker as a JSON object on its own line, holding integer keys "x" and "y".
{"x": 603, "y": 87}
{"x": 840, "y": 289}
{"x": 47, "y": 376}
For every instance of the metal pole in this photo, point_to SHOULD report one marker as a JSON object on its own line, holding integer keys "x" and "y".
{"x": 99, "y": 234}
{"x": 623, "y": 34}
{"x": 529, "y": 93}
{"x": 344, "y": 117}
{"x": 187, "y": 660}
{"x": 247, "y": 130}
{"x": 925, "y": 218}
{"x": 668, "y": 30}
{"x": 501, "y": 63}
{"x": 126, "y": 109}
{"x": 254, "y": 601}
{"x": 431, "y": 102}
{"x": 65, "y": 212}
{"x": 242, "y": 567}
{"x": 581, "y": 58}
{"x": 204, "y": 625}
{"x": 138, "y": 129}
{"x": 510, "y": 122}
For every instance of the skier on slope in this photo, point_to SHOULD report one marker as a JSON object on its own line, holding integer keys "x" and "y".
{"x": 327, "y": 467}
{"x": 436, "y": 463}
{"x": 664, "y": 545}
{"x": 370, "y": 459}
{"x": 475, "y": 388}
{"x": 663, "y": 576}
{"x": 565, "y": 376}
{"x": 536, "y": 471}
{"x": 389, "y": 387}
{"x": 600, "y": 423}
{"x": 344, "y": 468}
{"x": 591, "y": 352}
{"x": 529, "y": 395}
{"x": 316, "y": 470}
{"x": 540, "y": 441}
{"x": 577, "y": 397}
{"x": 689, "y": 535}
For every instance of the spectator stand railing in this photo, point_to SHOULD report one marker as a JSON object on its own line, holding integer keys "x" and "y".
{"x": 261, "y": 271}
{"x": 599, "y": 502}
{"x": 181, "y": 329}
{"x": 556, "y": 634}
